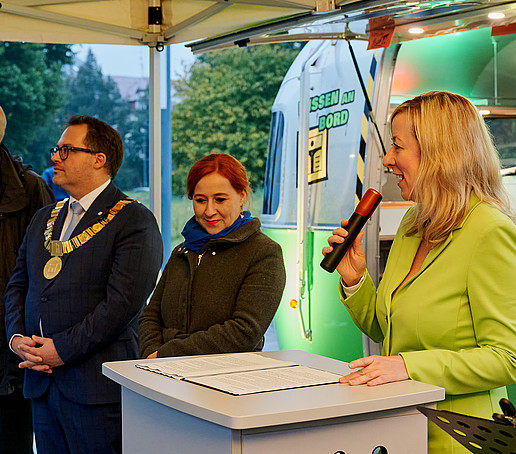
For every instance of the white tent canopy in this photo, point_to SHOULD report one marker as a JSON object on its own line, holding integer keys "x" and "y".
{"x": 140, "y": 21}
{"x": 161, "y": 22}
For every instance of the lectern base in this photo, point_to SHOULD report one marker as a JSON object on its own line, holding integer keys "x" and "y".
{"x": 150, "y": 426}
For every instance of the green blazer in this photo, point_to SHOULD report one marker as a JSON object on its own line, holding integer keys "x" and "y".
{"x": 454, "y": 323}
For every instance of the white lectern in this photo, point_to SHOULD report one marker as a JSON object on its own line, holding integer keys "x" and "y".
{"x": 163, "y": 415}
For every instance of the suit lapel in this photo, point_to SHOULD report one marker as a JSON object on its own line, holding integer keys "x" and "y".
{"x": 437, "y": 251}
{"x": 409, "y": 247}
{"x": 56, "y": 233}
{"x": 99, "y": 208}
{"x": 404, "y": 256}
{"x": 58, "y": 226}
{"x": 434, "y": 253}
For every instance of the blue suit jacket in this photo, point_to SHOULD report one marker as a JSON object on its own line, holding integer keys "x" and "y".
{"x": 90, "y": 309}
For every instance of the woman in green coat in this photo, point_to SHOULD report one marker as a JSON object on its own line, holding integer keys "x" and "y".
{"x": 222, "y": 286}
{"x": 445, "y": 309}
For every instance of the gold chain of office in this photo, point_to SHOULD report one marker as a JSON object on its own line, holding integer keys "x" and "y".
{"x": 59, "y": 248}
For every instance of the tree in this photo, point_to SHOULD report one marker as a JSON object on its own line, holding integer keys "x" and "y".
{"x": 30, "y": 94}
{"x": 39, "y": 92}
{"x": 225, "y": 102}
{"x": 135, "y": 170}
{"x": 90, "y": 92}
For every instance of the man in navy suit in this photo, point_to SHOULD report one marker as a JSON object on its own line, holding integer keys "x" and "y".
{"x": 73, "y": 301}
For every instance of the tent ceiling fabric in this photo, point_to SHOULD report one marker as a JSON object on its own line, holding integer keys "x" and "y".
{"x": 221, "y": 21}
{"x": 126, "y": 21}
{"x": 434, "y": 17}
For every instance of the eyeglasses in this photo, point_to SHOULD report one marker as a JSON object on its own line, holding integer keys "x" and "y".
{"x": 64, "y": 151}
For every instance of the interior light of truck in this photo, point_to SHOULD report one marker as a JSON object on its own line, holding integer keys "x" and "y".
{"x": 416, "y": 30}
{"x": 496, "y": 15}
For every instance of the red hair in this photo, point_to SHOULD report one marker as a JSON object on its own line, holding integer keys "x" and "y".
{"x": 224, "y": 165}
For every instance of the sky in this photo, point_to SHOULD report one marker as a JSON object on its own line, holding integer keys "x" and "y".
{"x": 132, "y": 60}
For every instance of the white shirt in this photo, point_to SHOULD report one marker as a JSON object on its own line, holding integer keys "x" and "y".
{"x": 348, "y": 291}
{"x": 85, "y": 203}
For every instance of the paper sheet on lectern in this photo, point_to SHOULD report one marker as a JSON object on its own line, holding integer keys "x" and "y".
{"x": 213, "y": 364}
{"x": 258, "y": 381}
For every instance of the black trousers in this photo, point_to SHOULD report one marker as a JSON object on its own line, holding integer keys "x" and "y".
{"x": 65, "y": 427}
{"x": 15, "y": 424}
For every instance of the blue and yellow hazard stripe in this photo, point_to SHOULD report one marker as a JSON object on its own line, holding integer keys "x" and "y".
{"x": 365, "y": 130}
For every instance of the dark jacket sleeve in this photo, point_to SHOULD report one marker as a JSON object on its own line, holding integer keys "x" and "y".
{"x": 39, "y": 192}
{"x": 16, "y": 290}
{"x": 150, "y": 336}
{"x": 39, "y": 195}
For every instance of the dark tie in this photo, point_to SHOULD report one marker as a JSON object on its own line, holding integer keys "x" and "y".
{"x": 76, "y": 216}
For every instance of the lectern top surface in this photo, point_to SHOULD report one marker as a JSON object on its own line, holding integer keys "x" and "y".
{"x": 277, "y": 407}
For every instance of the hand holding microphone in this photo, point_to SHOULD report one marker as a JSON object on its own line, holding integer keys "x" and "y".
{"x": 363, "y": 212}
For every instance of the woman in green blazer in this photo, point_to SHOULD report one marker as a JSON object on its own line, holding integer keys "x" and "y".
{"x": 445, "y": 309}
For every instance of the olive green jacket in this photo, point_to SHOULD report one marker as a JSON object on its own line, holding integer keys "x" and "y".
{"x": 219, "y": 301}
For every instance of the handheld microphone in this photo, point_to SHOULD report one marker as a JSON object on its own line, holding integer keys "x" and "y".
{"x": 363, "y": 212}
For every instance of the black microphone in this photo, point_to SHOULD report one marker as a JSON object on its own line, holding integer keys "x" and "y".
{"x": 363, "y": 212}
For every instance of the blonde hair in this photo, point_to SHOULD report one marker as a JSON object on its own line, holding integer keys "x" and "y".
{"x": 458, "y": 156}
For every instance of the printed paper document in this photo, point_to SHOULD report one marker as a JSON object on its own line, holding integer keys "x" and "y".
{"x": 241, "y": 373}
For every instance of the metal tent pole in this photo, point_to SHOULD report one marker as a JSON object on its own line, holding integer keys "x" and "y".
{"x": 155, "y": 134}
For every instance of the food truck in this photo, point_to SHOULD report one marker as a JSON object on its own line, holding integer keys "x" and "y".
{"x": 340, "y": 94}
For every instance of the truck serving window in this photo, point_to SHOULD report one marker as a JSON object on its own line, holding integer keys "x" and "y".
{"x": 272, "y": 183}
{"x": 504, "y": 133}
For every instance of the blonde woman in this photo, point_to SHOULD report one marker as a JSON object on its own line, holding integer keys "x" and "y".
{"x": 445, "y": 309}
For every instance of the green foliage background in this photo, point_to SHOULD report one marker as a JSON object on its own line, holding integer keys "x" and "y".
{"x": 225, "y": 102}
{"x": 39, "y": 91}
{"x": 89, "y": 92}
{"x": 31, "y": 95}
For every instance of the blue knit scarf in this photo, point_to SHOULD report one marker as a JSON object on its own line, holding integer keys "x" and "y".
{"x": 196, "y": 237}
